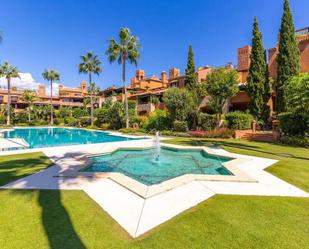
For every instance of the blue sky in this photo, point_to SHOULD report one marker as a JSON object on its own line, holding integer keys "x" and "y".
{"x": 41, "y": 34}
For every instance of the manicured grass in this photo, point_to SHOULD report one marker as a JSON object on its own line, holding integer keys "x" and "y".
{"x": 14, "y": 167}
{"x": 70, "y": 219}
{"x": 293, "y": 167}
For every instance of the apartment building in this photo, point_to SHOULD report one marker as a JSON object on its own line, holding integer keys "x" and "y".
{"x": 242, "y": 100}
{"x": 66, "y": 96}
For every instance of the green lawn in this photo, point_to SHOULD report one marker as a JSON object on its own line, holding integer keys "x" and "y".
{"x": 293, "y": 167}
{"x": 14, "y": 167}
{"x": 70, "y": 219}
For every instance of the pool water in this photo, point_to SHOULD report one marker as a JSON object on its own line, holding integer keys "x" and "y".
{"x": 50, "y": 137}
{"x": 141, "y": 165}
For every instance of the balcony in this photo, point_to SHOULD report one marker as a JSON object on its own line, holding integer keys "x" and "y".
{"x": 145, "y": 108}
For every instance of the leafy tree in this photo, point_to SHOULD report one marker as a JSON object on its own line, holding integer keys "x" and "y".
{"x": 220, "y": 85}
{"x": 126, "y": 49}
{"x": 258, "y": 87}
{"x": 8, "y": 71}
{"x": 29, "y": 97}
{"x": 90, "y": 64}
{"x": 179, "y": 103}
{"x": 288, "y": 57}
{"x": 296, "y": 93}
{"x": 65, "y": 112}
{"x": 79, "y": 112}
{"x": 190, "y": 80}
{"x": 51, "y": 75}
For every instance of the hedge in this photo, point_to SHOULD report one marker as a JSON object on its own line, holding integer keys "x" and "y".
{"x": 293, "y": 124}
{"x": 238, "y": 120}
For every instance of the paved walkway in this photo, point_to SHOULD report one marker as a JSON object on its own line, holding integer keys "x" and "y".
{"x": 138, "y": 215}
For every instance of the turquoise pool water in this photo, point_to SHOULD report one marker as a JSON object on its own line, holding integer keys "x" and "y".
{"x": 50, "y": 137}
{"x": 141, "y": 166}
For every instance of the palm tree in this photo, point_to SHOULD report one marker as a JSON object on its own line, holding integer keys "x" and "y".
{"x": 29, "y": 97}
{"x": 93, "y": 90}
{"x": 90, "y": 64}
{"x": 9, "y": 72}
{"x": 126, "y": 49}
{"x": 51, "y": 75}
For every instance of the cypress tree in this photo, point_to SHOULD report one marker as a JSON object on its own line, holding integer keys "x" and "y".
{"x": 258, "y": 77}
{"x": 190, "y": 80}
{"x": 288, "y": 57}
{"x": 267, "y": 92}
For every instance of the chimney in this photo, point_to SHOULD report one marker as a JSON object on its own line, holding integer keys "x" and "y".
{"x": 140, "y": 74}
{"x": 83, "y": 86}
{"x": 42, "y": 90}
{"x": 164, "y": 77}
{"x": 173, "y": 73}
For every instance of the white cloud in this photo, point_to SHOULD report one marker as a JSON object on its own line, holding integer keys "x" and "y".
{"x": 26, "y": 81}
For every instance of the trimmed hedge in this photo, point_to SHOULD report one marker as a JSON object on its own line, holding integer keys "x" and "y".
{"x": 180, "y": 126}
{"x": 207, "y": 121}
{"x": 293, "y": 124}
{"x": 238, "y": 120}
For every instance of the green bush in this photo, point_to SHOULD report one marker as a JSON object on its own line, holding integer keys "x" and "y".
{"x": 2, "y": 119}
{"x": 64, "y": 112}
{"x": 128, "y": 130}
{"x": 141, "y": 121}
{"x": 180, "y": 126}
{"x": 104, "y": 126}
{"x": 21, "y": 117}
{"x": 174, "y": 134}
{"x": 70, "y": 121}
{"x": 293, "y": 124}
{"x": 207, "y": 121}
{"x": 239, "y": 120}
{"x": 79, "y": 112}
{"x": 295, "y": 141}
{"x": 85, "y": 121}
{"x": 158, "y": 120}
{"x": 58, "y": 121}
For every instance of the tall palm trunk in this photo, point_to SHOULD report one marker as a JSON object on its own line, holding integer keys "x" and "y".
{"x": 29, "y": 115}
{"x": 91, "y": 100}
{"x": 8, "y": 105}
{"x": 51, "y": 103}
{"x": 125, "y": 89}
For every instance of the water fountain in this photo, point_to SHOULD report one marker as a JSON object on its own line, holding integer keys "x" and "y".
{"x": 157, "y": 147}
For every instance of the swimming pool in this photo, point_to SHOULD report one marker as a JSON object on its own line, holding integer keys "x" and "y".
{"x": 142, "y": 165}
{"x": 50, "y": 137}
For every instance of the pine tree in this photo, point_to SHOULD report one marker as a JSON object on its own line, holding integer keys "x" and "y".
{"x": 190, "y": 80}
{"x": 267, "y": 93}
{"x": 258, "y": 77}
{"x": 288, "y": 57}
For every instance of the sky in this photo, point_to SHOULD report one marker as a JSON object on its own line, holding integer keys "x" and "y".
{"x": 39, "y": 34}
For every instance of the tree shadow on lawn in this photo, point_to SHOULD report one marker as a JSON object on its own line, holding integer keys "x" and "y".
{"x": 13, "y": 169}
{"x": 237, "y": 145}
{"x": 54, "y": 216}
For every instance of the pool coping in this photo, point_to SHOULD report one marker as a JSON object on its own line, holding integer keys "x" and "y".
{"x": 145, "y": 191}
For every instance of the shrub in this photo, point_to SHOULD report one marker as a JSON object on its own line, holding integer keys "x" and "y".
{"x": 207, "y": 121}
{"x": 128, "y": 130}
{"x": 104, "y": 126}
{"x": 85, "y": 121}
{"x": 41, "y": 122}
{"x": 21, "y": 117}
{"x": 295, "y": 141}
{"x": 158, "y": 120}
{"x": 293, "y": 123}
{"x": 238, "y": 120}
{"x": 174, "y": 134}
{"x": 180, "y": 126}
{"x": 58, "y": 121}
{"x": 64, "y": 112}
{"x": 141, "y": 121}
{"x": 216, "y": 133}
{"x": 70, "y": 121}
{"x": 79, "y": 112}
{"x": 2, "y": 119}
